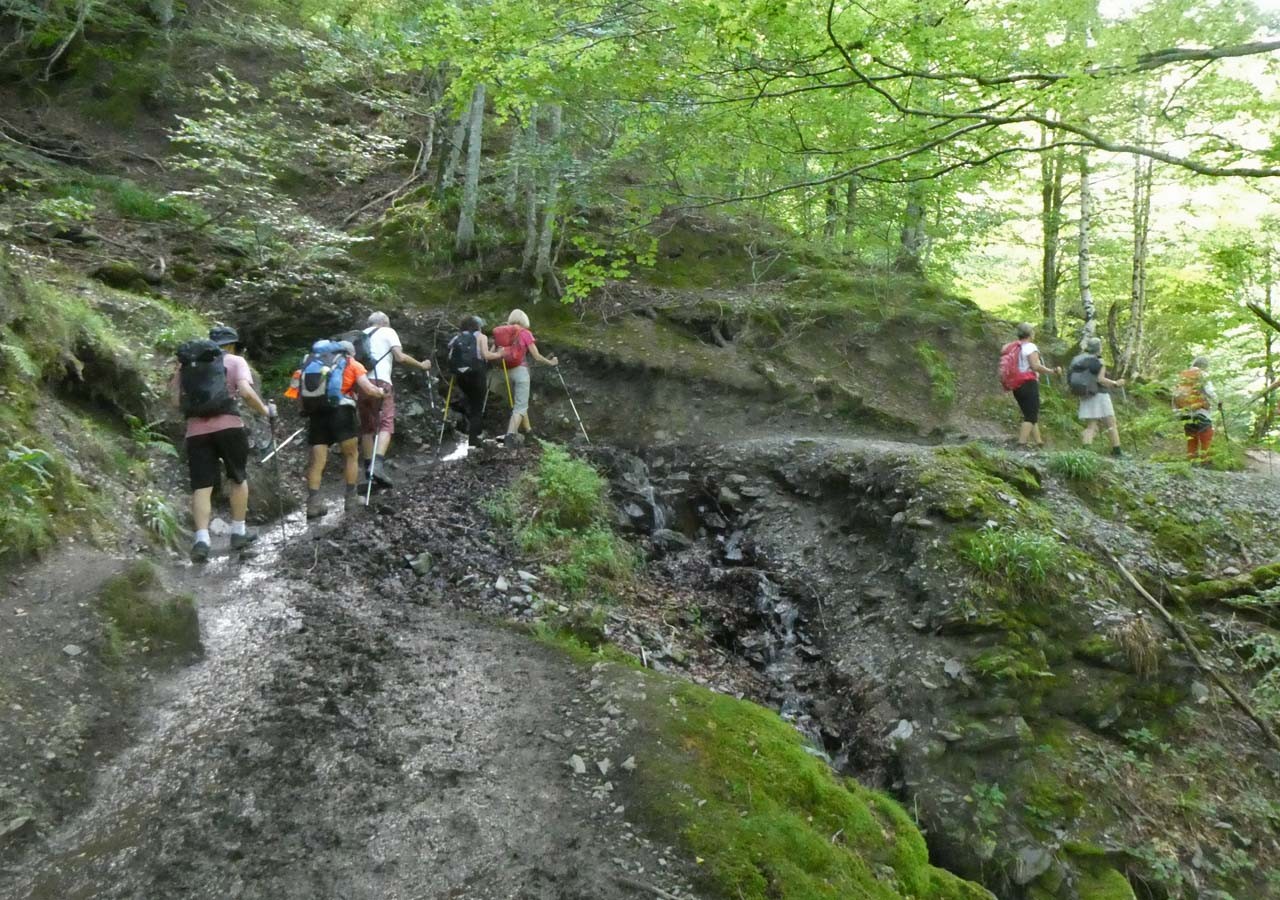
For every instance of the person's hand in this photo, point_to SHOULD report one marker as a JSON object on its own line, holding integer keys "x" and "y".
{"x": 271, "y": 410}
{"x": 554, "y": 361}
{"x": 426, "y": 365}
{"x": 1058, "y": 370}
{"x": 1120, "y": 383}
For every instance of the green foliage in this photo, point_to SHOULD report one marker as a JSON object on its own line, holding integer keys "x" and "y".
{"x": 146, "y": 438}
{"x": 559, "y": 513}
{"x": 35, "y": 488}
{"x": 157, "y": 516}
{"x": 769, "y": 818}
{"x": 941, "y": 377}
{"x": 140, "y": 616}
{"x": 1022, "y": 559}
{"x": 1076, "y": 465}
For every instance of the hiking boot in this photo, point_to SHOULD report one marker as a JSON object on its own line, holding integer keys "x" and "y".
{"x": 350, "y": 500}
{"x": 200, "y": 552}
{"x": 1117, "y": 452}
{"x": 316, "y": 507}
{"x": 240, "y": 541}
{"x": 379, "y": 473}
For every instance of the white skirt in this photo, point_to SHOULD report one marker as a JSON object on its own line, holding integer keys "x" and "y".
{"x": 1096, "y": 407}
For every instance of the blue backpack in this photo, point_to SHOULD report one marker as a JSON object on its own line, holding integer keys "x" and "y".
{"x": 320, "y": 387}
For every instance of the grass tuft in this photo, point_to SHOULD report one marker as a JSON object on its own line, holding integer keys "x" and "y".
{"x": 1075, "y": 465}
{"x": 142, "y": 617}
{"x": 1010, "y": 555}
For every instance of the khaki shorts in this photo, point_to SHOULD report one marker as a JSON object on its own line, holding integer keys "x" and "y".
{"x": 519, "y": 376}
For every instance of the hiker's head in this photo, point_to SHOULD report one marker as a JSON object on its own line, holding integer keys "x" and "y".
{"x": 472, "y": 323}
{"x": 379, "y": 320}
{"x": 1026, "y": 331}
{"x": 517, "y": 317}
{"x": 224, "y": 336}
{"x": 1093, "y": 346}
{"x": 1200, "y": 362}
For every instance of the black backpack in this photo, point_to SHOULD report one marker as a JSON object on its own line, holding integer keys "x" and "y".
{"x": 462, "y": 354}
{"x": 364, "y": 349}
{"x": 202, "y": 381}
{"x": 1082, "y": 377}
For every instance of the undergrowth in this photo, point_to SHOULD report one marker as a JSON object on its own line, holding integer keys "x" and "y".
{"x": 1076, "y": 465}
{"x": 1025, "y": 558}
{"x": 35, "y": 486}
{"x": 558, "y": 514}
{"x": 141, "y": 616}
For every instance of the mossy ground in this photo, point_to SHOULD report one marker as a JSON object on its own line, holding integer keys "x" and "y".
{"x": 736, "y": 785}
{"x": 140, "y": 616}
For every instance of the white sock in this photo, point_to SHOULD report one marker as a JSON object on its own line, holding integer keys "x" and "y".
{"x": 202, "y": 536}
{"x": 237, "y": 527}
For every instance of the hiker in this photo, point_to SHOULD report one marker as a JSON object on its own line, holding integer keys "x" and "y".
{"x": 210, "y": 377}
{"x": 517, "y": 343}
{"x": 469, "y": 355}
{"x": 1087, "y": 379}
{"x": 330, "y": 378}
{"x": 1020, "y": 371}
{"x": 378, "y": 415}
{"x": 1193, "y": 401}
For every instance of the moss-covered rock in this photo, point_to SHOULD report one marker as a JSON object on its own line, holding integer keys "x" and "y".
{"x": 140, "y": 616}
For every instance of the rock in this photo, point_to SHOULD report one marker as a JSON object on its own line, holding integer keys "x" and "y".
{"x": 17, "y": 829}
{"x": 737, "y": 479}
{"x": 73, "y": 650}
{"x": 922, "y": 522}
{"x": 576, "y": 763}
{"x": 527, "y": 577}
{"x": 729, "y": 497}
{"x": 1199, "y": 692}
{"x": 903, "y": 732}
{"x": 604, "y": 766}
{"x": 1230, "y": 572}
{"x": 1030, "y": 864}
{"x": 628, "y": 764}
{"x": 998, "y": 734}
{"x": 421, "y": 563}
{"x": 669, "y": 541}
{"x": 124, "y": 275}
{"x": 501, "y": 585}
{"x": 954, "y": 668}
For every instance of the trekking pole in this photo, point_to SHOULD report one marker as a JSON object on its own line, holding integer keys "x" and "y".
{"x": 511, "y": 402}
{"x": 373, "y": 458}
{"x": 444, "y": 420}
{"x": 572, "y": 405}
{"x": 287, "y": 441}
{"x": 1222, "y": 414}
{"x": 275, "y": 449}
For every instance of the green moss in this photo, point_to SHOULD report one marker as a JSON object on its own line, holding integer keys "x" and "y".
{"x": 767, "y": 818}
{"x": 974, "y": 482}
{"x": 140, "y": 616}
{"x": 1012, "y": 662}
{"x": 1103, "y": 883}
{"x": 941, "y": 377}
{"x": 1259, "y": 579}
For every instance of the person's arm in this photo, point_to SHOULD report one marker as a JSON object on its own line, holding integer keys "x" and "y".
{"x": 368, "y": 388}
{"x": 398, "y": 354}
{"x": 1107, "y": 382}
{"x": 1210, "y": 394}
{"x": 251, "y": 397}
{"x": 1034, "y": 361}
{"x": 538, "y": 357}
{"x": 485, "y": 352}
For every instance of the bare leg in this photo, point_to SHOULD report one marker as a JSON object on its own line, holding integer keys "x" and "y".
{"x": 315, "y": 469}
{"x": 384, "y": 441}
{"x": 1024, "y": 434}
{"x": 1113, "y": 430}
{"x": 202, "y": 508}
{"x": 1035, "y": 433}
{"x": 351, "y": 460}
{"x": 513, "y": 425}
{"x": 1090, "y": 432}
{"x": 239, "y": 497}
{"x": 366, "y": 446}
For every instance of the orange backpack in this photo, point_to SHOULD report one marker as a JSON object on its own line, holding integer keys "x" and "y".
{"x": 1189, "y": 394}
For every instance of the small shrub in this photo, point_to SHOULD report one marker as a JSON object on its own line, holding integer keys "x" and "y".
{"x": 158, "y": 517}
{"x": 145, "y": 437}
{"x": 1076, "y": 465}
{"x": 26, "y": 489}
{"x": 568, "y": 491}
{"x": 1024, "y": 557}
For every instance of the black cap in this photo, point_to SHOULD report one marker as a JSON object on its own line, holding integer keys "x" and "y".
{"x": 223, "y": 335}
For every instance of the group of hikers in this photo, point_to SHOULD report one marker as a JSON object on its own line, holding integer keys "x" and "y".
{"x": 345, "y": 391}
{"x": 1193, "y": 401}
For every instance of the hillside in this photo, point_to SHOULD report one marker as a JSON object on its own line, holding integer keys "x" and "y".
{"x": 794, "y": 623}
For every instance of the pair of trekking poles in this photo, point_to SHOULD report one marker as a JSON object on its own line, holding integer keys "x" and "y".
{"x": 444, "y": 421}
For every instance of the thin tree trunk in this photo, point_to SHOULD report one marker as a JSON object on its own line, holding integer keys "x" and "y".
{"x": 831, "y": 208}
{"x": 1051, "y": 169}
{"x": 544, "y": 278}
{"x": 1086, "y": 287}
{"x": 850, "y": 211}
{"x": 1267, "y": 418}
{"x": 449, "y": 161}
{"x": 464, "y": 244}
{"x": 1131, "y": 358}
{"x": 912, "y": 238}
{"x": 530, "y": 254}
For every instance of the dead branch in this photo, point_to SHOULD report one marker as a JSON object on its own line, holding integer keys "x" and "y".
{"x": 419, "y": 169}
{"x": 1204, "y": 665}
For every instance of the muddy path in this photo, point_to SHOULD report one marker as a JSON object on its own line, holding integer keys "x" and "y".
{"x": 356, "y": 737}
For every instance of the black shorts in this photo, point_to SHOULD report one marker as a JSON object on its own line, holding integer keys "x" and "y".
{"x": 332, "y": 426}
{"x": 230, "y": 445}
{"x": 1028, "y": 397}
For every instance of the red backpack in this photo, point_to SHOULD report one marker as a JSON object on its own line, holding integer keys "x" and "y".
{"x": 507, "y": 337}
{"x": 1010, "y": 378}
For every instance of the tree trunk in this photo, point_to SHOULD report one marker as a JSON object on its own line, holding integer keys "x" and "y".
{"x": 831, "y": 207}
{"x": 449, "y": 161}
{"x": 464, "y": 244}
{"x": 530, "y": 254}
{"x": 1131, "y": 359}
{"x": 1051, "y": 169}
{"x": 544, "y": 278}
{"x": 1267, "y": 417}
{"x": 1086, "y": 288}
{"x": 850, "y": 211}
{"x": 912, "y": 239}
